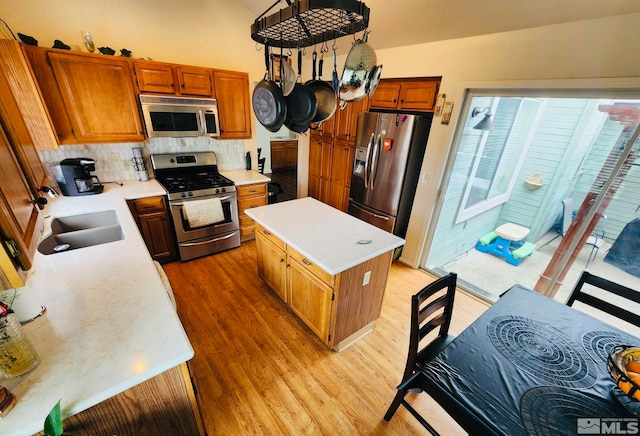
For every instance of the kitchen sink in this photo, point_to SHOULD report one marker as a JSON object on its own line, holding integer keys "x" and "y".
{"x": 79, "y": 231}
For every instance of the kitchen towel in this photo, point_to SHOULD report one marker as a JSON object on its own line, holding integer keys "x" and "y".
{"x": 200, "y": 213}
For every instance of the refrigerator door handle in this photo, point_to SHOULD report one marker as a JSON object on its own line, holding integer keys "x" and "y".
{"x": 366, "y": 161}
{"x": 382, "y": 217}
{"x": 374, "y": 159}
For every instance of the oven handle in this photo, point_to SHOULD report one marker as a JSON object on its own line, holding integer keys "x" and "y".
{"x": 229, "y": 197}
{"x": 192, "y": 244}
{"x": 203, "y": 123}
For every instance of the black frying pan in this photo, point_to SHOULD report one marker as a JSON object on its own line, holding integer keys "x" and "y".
{"x": 301, "y": 103}
{"x": 325, "y": 95}
{"x": 269, "y": 104}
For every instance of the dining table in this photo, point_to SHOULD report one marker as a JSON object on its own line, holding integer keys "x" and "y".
{"x": 531, "y": 365}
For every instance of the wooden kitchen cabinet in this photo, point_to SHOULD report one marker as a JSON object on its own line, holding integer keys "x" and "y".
{"x": 99, "y": 96}
{"x": 342, "y": 155}
{"x": 346, "y": 121}
{"x": 20, "y": 219}
{"x": 232, "y": 93}
{"x": 163, "y": 78}
{"x": 91, "y": 98}
{"x": 320, "y": 168}
{"x": 284, "y": 155}
{"x": 253, "y": 195}
{"x": 417, "y": 94}
{"x": 272, "y": 262}
{"x": 332, "y": 306}
{"x": 23, "y": 115}
{"x": 152, "y": 217}
{"x": 164, "y": 404}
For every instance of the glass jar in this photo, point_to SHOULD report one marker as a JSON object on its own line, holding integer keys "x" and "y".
{"x": 17, "y": 355}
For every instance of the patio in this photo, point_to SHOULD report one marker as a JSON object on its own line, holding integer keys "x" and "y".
{"x": 489, "y": 276}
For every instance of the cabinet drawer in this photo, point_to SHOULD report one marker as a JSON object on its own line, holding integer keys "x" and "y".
{"x": 248, "y": 203}
{"x": 270, "y": 236}
{"x": 248, "y": 190}
{"x": 150, "y": 204}
{"x": 312, "y": 267}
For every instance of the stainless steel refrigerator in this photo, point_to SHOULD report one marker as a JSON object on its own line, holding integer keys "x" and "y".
{"x": 388, "y": 157}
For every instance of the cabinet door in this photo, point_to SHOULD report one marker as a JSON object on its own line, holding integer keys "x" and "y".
{"x": 194, "y": 81}
{"x": 347, "y": 119}
{"x": 99, "y": 96}
{"x": 386, "y": 96}
{"x": 152, "y": 217}
{"x": 278, "y": 155}
{"x": 51, "y": 96}
{"x": 232, "y": 93}
{"x": 341, "y": 169}
{"x": 315, "y": 161}
{"x": 309, "y": 298}
{"x": 19, "y": 216}
{"x": 23, "y": 115}
{"x": 291, "y": 154}
{"x": 272, "y": 266}
{"x": 156, "y": 231}
{"x": 420, "y": 96}
{"x": 154, "y": 77}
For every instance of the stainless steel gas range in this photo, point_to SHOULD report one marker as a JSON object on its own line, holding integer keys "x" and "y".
{"x": 202, "y": 202}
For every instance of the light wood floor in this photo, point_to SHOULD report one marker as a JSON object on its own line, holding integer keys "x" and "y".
{"x": 258, "y": 370}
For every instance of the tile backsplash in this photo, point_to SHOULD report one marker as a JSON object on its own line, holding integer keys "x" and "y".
{"x": 114, "y": 161}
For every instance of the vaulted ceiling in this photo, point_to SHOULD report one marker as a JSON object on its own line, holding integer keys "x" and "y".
{"x": 396, "y": 23}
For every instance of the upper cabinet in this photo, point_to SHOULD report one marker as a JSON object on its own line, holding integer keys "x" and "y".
{"x": 417, "y": 94}
{"x": 232, "y": 93}
{"x": 94, "y": 98}
{"x": 91, "y": 98}
{"x": 347, "y": 119}
{"x": 157, "y": 77}
{"x": 99, "y": 97}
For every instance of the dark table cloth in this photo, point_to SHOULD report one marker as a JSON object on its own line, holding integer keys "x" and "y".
{"x": 529, "y": 366}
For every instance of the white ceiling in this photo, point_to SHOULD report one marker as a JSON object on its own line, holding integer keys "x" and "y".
{"x": 396, "y": 23}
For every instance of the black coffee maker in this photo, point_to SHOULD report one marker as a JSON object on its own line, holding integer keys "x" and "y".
{"x": 74, "y": 178}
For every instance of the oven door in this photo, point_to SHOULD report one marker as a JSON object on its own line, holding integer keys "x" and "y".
{"x": 184, "y": 232}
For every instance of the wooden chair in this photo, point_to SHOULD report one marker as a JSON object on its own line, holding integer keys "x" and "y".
{"x": 611, "y": 288}
{"x": 431, "y": 309}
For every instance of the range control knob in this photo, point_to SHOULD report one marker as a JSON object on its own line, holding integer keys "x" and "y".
{"x": 217, "y": 190}
{"x": 224, "y": 189}
{"x": 183, "y": 195}
{"x": 190, "y": 194}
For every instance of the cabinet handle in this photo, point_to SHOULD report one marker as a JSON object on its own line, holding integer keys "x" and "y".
{"x": 281, "y": 260}
{"x": 266, "y": 232}
{"x": 306, "y": 262}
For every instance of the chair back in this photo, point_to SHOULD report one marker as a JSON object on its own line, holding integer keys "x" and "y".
{"x": 431, "y": 310}
{"x": 602, "y": 302}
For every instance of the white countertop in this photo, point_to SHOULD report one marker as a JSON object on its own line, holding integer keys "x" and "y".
{"x": 245, "y": 177}
{"x": 109, "y": 324}
{"x": 325, "y": 235}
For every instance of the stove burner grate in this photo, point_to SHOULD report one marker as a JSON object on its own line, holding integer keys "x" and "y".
{"x": 542, "y": 351}
{"x": 599, "y": 344}
{"x": 551, "y": 411}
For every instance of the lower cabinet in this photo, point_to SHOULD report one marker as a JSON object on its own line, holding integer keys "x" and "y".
{"x": 249, "y": 196}
{"x": 152, "y": 217}
{"x": 164, "y": 404}
{"x": 339, "y": 309}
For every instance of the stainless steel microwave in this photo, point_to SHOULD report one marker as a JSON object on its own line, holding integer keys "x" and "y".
{"x": 176, "y": 117}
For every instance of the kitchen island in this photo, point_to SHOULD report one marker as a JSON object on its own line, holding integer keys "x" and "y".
{"x": 109, "y": 324}
{"x": 328, "y": 267}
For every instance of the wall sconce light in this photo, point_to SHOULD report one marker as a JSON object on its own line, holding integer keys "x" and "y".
{"x": 486, "y": 123}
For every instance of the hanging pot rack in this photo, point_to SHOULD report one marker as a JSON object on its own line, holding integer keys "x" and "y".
{"x": 307, "y": 22}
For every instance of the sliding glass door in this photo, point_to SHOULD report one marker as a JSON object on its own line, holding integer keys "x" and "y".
{"x": 539, "y": 186}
